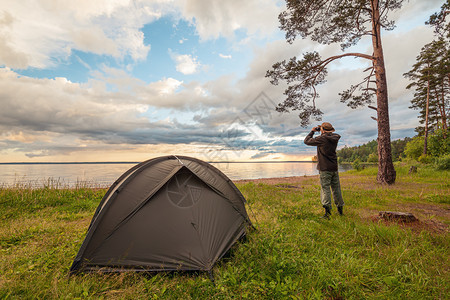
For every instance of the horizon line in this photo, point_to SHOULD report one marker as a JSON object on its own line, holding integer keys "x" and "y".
{"x": 137, "y": 162}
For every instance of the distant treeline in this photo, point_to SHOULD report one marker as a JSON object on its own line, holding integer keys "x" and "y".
{"x": 368, "y": 152}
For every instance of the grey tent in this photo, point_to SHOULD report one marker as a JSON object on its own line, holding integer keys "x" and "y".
{"x": 167, "y": 213}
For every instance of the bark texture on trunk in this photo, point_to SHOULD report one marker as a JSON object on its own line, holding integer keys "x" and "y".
{"x": 386, "y": 172}
{"x": 443, "y": 114}
{"x": 427, "y": 107}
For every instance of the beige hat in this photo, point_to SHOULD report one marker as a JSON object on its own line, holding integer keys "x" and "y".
{"x": 327, "y": 127}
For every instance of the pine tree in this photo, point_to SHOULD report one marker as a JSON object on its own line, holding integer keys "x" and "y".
{"x": 430, "y": 77}
{"x": 441, "y": 25}
{"x": 439, "y": 21}
{"x": 430, "y": 73}
{"x": 345, "y": 22}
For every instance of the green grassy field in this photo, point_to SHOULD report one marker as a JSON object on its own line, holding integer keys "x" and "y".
{"x": 293, "y": 254}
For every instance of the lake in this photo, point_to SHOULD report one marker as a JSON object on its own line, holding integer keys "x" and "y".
{"x": 104, "y": 174}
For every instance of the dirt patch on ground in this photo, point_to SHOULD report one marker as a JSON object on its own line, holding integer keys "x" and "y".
{"x": 416, "y": 226}
{"x": 425, "y": 214}
{"x": 426, "y": 209}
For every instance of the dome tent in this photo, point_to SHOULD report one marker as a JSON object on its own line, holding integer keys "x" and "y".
{"x": 167, "y": 213}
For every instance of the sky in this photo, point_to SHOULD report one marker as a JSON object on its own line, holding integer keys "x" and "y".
{"x": 124, "y": 80}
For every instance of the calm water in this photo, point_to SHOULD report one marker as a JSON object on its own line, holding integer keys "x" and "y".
{"x": 104, "y": 174}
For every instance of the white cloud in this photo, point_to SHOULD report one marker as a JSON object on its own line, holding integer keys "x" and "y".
{"x": 94, "y": 40}
{"x": 38, "y": 33}
{"x": 165, "y": 86}
{"x": 215, "y": 18}
{"x": 185, "y": 63}
{"x": 225, "y": 56}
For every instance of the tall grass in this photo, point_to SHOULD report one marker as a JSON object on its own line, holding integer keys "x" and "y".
{"x": 293, "y": 254}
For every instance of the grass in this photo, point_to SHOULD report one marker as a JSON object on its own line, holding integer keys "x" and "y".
{"x": 293, "y": 254}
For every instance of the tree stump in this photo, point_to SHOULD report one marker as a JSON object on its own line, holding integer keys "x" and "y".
{"x": 397, "y": 216}
{"x": 413, "y": 169}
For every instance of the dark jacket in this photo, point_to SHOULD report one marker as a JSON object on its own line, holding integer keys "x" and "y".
{"x": 326, "y": 149}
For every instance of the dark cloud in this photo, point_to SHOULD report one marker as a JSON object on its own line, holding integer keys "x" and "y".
{"x": 262, "y": 155}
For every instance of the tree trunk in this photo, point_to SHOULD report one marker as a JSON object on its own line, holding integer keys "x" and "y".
{"x": 441, "y": 115}
{"x": 439, "y": 111}
{"x": 425, "y": 142}
{"x": 386, "y": 172}
{"x": 444, "y": 116}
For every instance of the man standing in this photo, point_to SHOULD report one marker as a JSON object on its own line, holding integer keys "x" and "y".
{"x": 328, "y": 168}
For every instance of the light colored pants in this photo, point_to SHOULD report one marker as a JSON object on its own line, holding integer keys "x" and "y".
{"x": 329, "y": 182}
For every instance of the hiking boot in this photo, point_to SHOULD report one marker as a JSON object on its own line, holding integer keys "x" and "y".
{"x": 326, "y": 216}
{"x": 340, "y": 210}
{"x": 327, "y": 213}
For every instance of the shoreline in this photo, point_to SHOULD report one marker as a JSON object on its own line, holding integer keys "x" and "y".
{"x": 138, "y": 162}
{"x": 88, "y": 184}
{"x": 92, "y": 185}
